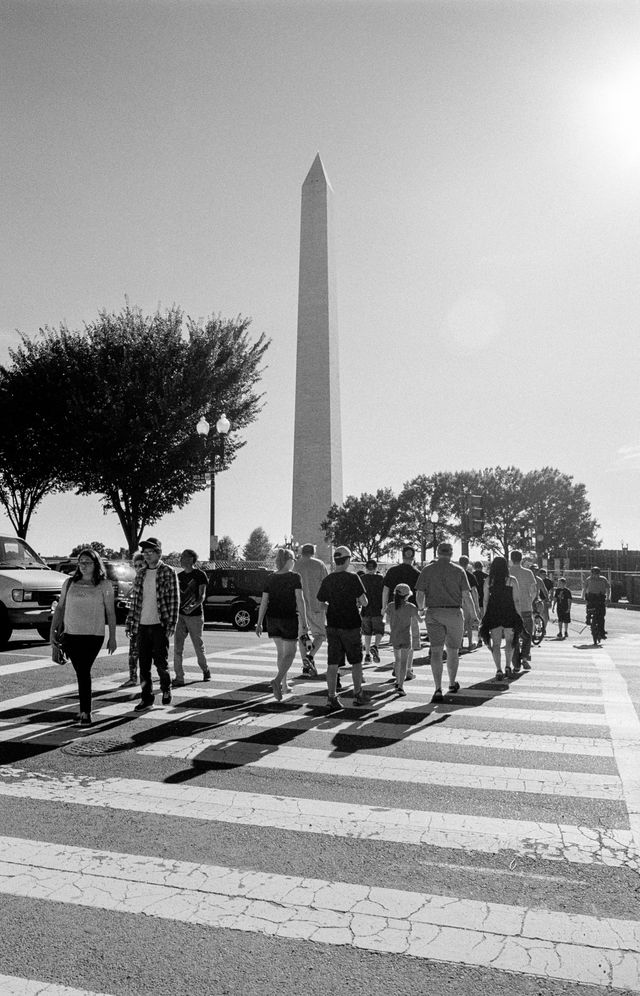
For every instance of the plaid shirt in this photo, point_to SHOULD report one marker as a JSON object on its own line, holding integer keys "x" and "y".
{"x": 167, "y": 594}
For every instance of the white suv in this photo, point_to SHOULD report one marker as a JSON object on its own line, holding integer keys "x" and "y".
{"x": 28, "y": 589}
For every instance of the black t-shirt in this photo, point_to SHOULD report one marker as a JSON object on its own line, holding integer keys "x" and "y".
{"x": 480, "y": 577}
{"x": 189, "y": 582}
{"x": 342, "y": 591}
{"x": 563, "y": 599}
{"x": 373, "y": 585}
{"x": 281, "y": 589}
{"x": 402, "y": 574}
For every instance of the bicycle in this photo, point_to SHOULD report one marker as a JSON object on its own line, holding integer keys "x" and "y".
{"x": 538, "y": 625}
{"x": 595, "y": 620}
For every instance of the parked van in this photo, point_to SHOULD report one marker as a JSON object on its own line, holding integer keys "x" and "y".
{"x": 28, "y": 589}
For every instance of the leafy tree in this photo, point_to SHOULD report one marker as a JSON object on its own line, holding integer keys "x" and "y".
{"x": 258, "y": 546}
{"x": 506, "y": 513}
{"x": 28, "y": 464}
{"x": 100, "y": 548}
{"x": 227, "y": 549}
{"x": 118, "y": 403}
{"x": 419, "y": 498}
{"x": 559, "y": 512}
{"x": 363, "y": 523}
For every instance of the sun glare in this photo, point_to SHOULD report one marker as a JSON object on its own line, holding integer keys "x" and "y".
{"x": 617, "y": 106}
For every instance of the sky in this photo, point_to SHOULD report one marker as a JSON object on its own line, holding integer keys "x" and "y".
{"x": 484, "y": 158}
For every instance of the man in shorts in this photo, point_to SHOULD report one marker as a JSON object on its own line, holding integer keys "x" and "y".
{"x": 343, "y": 595}
{"x": 313, "y": 572}
{"x": 528, "y": 588}
{"x": 404, "y": 573}
{"x": 372, "y": 622}
{"x": 596, "y": 594}
{"x": 444, "y": 589}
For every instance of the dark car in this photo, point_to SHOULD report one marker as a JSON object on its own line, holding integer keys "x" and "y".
{"x": 119, "y": 573}
{"x": 233, "y": 595}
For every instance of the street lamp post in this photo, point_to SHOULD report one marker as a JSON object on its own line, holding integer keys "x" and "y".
{"x": 217, "y": 447}
{"x": 434, "y": 522}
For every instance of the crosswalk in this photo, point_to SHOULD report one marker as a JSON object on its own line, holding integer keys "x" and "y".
{"x": 502, "y": 812}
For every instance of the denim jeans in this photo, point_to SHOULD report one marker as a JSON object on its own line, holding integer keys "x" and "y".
{"x": 192, "y": 626}
{"x": 153, "y": 648}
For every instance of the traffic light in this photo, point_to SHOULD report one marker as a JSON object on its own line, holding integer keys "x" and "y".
{"x": 476, "y": 515}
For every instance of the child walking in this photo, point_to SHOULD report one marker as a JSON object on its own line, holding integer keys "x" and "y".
{"x": 562, "y": 602}
{"x": 400, "y": 613}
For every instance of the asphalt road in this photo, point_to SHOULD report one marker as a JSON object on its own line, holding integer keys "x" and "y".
{"x": 231, "y": 844}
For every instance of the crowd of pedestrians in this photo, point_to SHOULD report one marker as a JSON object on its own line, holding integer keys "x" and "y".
{"x": 303, "y": 604}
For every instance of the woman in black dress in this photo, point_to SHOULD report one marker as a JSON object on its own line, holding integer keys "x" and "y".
{"x": 284, "y": 606}
{"x": 501, "y": 618}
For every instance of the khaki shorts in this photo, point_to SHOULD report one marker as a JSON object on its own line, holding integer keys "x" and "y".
{"x": 317, "y": 624}
{"x": 445, "y": 627}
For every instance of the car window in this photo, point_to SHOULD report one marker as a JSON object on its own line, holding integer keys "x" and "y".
{"x": 15, "y": 553}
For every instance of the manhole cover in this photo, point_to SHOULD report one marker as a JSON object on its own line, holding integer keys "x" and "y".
{"x": 95, "y": 747}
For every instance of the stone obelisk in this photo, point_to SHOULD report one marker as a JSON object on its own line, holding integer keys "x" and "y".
{"x": 317, "y": 452}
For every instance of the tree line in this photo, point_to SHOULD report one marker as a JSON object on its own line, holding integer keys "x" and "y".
{"x": 539, "y": 511}
{"x": 111, "y": 410}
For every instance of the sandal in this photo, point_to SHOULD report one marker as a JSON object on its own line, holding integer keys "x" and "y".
{"x": 455, "y": 687}
{"x": 437, "y": 696}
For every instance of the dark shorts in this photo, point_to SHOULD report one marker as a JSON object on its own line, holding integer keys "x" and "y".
{"x": 372, "y": 626}
{"x": 283, "y": 629}
{"x": 343, "y": 643}
{"x": 564, "y": 617}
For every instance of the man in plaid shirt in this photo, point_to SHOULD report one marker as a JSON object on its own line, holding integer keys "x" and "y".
{"x": 155, "y": 600}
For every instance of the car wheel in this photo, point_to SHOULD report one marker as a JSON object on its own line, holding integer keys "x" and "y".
{"x": 6, "y": 629}
{"x": 243, "y": 618}
{"x": 44, "y": 632}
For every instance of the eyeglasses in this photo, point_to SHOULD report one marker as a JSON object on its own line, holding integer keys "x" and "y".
{"x": 85, "y": 563}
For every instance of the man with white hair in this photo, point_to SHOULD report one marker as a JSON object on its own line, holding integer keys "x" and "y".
{"x": 312, "y": 571}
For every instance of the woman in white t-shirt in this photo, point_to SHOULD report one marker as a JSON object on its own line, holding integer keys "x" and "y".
{"x": 86, "y": 605}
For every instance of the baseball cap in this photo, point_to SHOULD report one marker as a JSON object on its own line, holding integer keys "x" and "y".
{"x": 402, "y": 589}
{"x": 341, "y": 551}
{"x": 151, "y": 543}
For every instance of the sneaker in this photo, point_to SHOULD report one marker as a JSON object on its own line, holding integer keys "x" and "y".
{"x": 361, "y": 699}
{"x": 410, "y": 676}
{"x": 508, "y": 672}
{"x": 367, "y": 658}
{"x": 526, "y": 666}
{"x": 375, "y": 655}
{"x": 455, "y": 687}
{"x": 437, "y": 696}
{"x": 142, "y": 705}
{"x": 499, "y": 676}
{"x": 308, "y": 668}
{"x": 516, "y": 668}
{"x": 177, "y": 683}
{"x": 401, "y": 692}
{"x": 166, "y": 697}
{"x": 206, "y": 675}
{"x": 333, "y": 702}
{"x": 85, "y": 719}
{"x": 129, "y": 683}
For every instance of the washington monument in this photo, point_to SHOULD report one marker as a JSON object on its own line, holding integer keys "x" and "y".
{"x": 317, "y": 452}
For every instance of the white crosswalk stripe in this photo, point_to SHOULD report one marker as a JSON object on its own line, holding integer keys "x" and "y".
{"x": 233, "y": 723}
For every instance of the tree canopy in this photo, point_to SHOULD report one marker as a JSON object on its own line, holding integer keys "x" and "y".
{"x": 258, "y": 546}
{"x": 539, "y": 511}
{"x": 364, "y": 524}
{"x": 118, "y": 401}
{"x": 104, "y": 551}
